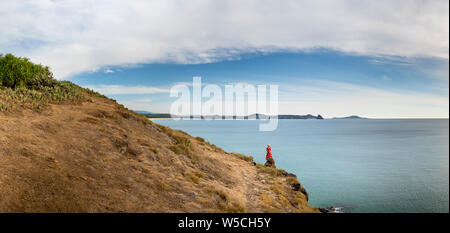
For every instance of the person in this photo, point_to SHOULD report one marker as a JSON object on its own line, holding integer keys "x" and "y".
{"x": 269, "y": 152}
{"x": 269, "y": 159}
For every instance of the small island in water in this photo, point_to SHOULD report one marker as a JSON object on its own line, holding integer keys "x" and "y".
{"x": 350, "y": 117}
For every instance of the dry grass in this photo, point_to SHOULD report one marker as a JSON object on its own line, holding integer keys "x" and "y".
{"x": 153, "y": 149}
{"x": 194, "y": 178}
{"x": 243, "y": 157}
{"x": 104, "y": 158}
{"x": 270, "y": 170}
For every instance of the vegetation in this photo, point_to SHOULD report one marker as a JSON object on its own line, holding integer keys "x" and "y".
{"x": 271, "y": 170}
{"x": 243, "y": 157}
{"x": 20, "y": 72}
{"x": 157, "y": 115}
{"x": 24, "y": 84}
{"x": 224, "y": 202}
{"x": 194, "y": 178}
{"x": 183, "y": 145}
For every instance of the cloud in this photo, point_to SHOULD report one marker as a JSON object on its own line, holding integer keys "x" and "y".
{"x": 77, "y": 36}
{"x": 386, "y": 78}
{"x": 108, "y": 71}
{"x": 124, "y": 90}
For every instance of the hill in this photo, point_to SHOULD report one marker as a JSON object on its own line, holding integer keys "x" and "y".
{"x": 64, "y": 148}
{"x": 350, "y": 117}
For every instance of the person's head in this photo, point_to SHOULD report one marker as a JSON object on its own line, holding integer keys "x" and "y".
{"x": 268, "y": 145}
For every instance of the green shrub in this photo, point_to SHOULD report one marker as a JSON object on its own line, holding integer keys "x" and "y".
{"x": 28, "y": 85}
{"x": 20, "y": 72}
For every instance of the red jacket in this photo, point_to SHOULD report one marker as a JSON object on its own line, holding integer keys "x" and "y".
{"x": 269, "y": 153}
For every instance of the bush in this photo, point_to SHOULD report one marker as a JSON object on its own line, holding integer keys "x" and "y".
{"x": 20, "y": 72}
{"x": 28, "y": 85}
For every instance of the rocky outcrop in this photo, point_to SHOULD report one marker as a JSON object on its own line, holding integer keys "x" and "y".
{"x": 299, "y": 188}
{"x": 270, "y": 163}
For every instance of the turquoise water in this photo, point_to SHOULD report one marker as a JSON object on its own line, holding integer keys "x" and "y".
{"x": 360, "y": 165}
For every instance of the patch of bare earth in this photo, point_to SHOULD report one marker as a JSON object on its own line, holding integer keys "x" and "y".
{"x": 99, "y": 157}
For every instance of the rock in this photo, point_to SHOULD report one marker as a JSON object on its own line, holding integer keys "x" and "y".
{"x": 290, "y": 175}
{"x": 303, "y": 190}
{"x": 296, "y": 186}
{"x": 123, "y": 150}
{"x": 328, "y": 209}
{"x": 299, "y": 188}
{"x": 270, "y": 163}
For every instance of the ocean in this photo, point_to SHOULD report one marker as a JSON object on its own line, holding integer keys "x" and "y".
{"x": 359, "y": 165}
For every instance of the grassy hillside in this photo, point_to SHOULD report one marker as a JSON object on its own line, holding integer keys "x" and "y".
{"x": 64, "y": 148}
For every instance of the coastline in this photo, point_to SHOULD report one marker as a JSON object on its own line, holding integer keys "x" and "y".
{"x": 159, "y": 118}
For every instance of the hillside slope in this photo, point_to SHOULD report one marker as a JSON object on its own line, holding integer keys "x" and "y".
{"x": 97, "y": 156}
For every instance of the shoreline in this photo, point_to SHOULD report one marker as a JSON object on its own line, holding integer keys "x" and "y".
{"x": 158, "y": 118}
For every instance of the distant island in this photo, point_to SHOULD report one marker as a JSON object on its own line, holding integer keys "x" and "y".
{"x": 253, "y": 116}
{"x": 350, "y": 117}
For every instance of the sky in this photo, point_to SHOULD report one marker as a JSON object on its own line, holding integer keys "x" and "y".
{"x": 379, "y": 59}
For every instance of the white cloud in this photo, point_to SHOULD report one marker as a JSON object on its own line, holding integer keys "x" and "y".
{"x": 121, "y": 90}
{"x": 386, "y": 78}
{"x": 77, "y": 36}
{"x": 108, "y": 71}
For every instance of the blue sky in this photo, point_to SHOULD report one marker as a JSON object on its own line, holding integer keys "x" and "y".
{"x": 381, "y": 59}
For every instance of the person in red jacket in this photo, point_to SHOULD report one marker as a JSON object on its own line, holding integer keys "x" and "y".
{"x": 269, "y": 160}
{"x": 269, "y": 152}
